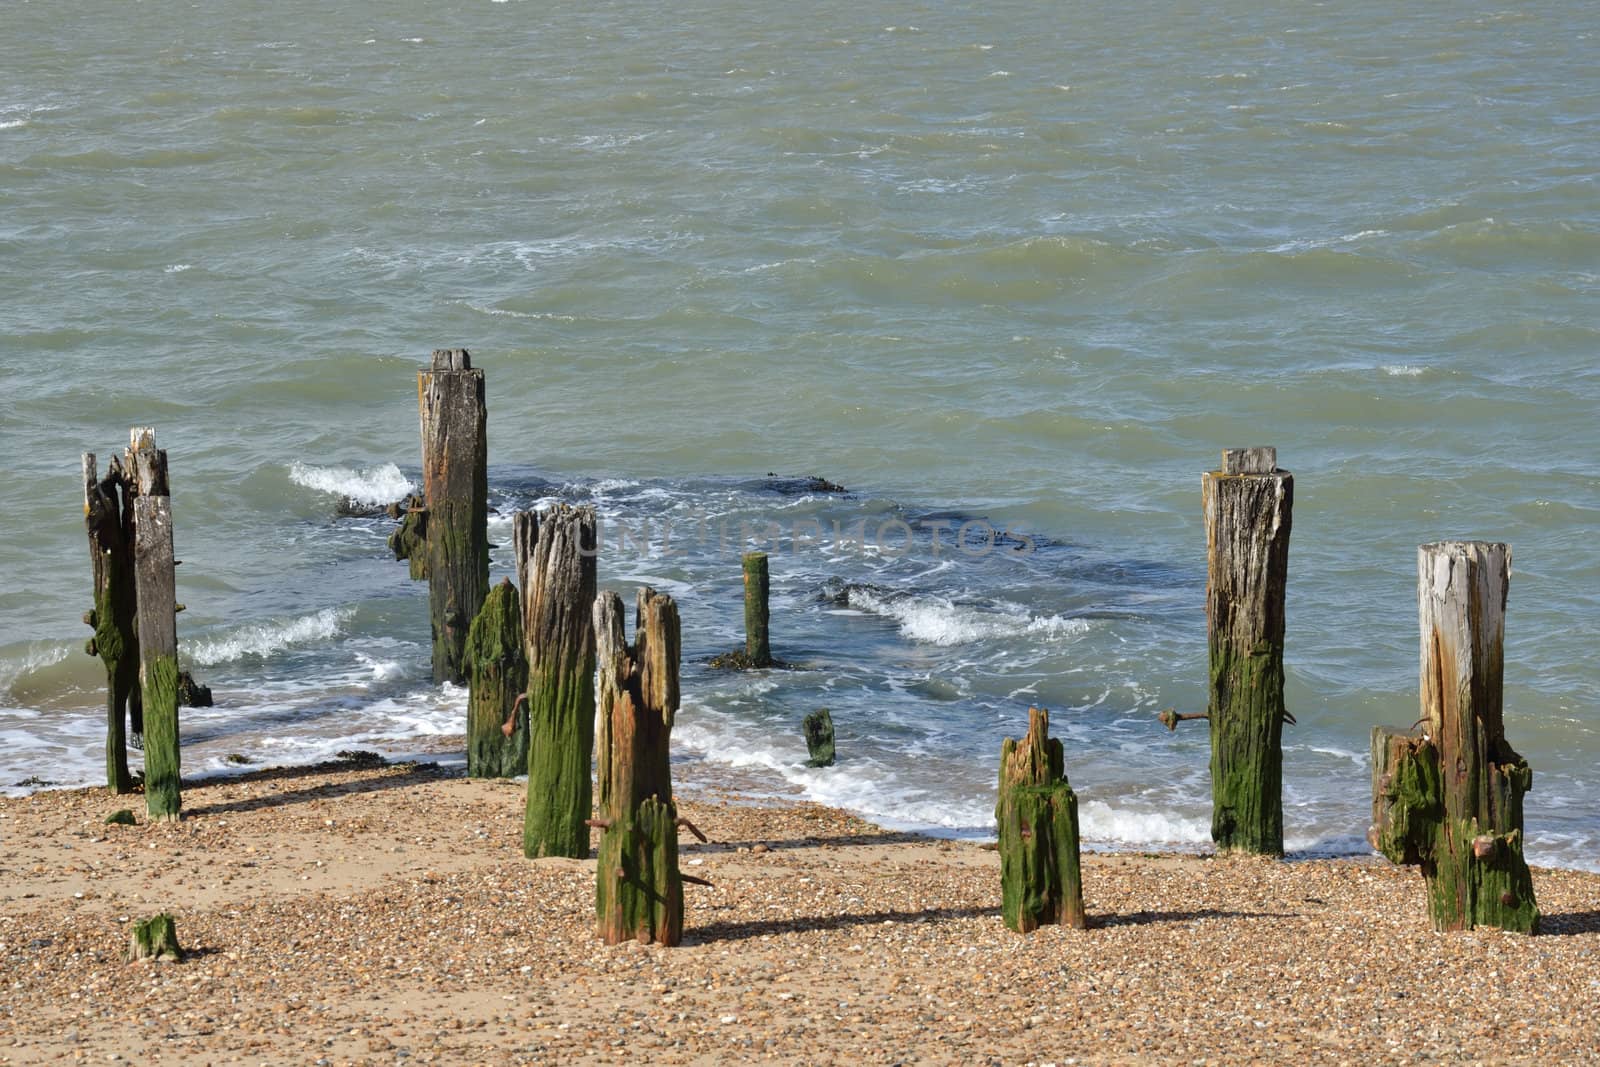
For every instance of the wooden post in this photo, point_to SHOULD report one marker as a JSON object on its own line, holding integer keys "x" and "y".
{"x": 1037, "y": 813}
{"x": 108, "y": 517}
{"x": 1451, "y": 799}
{"x": 638, "y": 886}
{"x": 556, "y": 566}
{"x": 155, "y": 582}
{"x": 155, "y": 938}
{"x": 756, "y": 648}
{"x": 818, "y": 727}
{"x": 453, "y": 531}
{"x": 1247, "y": 510}
{"x": 498, "y": 675}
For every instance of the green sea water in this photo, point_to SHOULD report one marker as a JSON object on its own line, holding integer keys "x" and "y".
{"x": 1031, "y": 264}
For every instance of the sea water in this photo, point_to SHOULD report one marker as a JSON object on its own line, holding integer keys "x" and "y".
{"x": 1015, "y": 267}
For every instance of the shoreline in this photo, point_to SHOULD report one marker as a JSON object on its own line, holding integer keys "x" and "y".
{"x": 356, "y": 915}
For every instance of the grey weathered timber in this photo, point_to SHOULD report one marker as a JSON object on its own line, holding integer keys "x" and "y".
{"x": 1450, "y": 800}
{"x": 638, "y": 886}
{"x": 108, "y": 518}
{"x": 155, "y": 582}
{"x": 556, "y": 565}
{"x": 1248, "y": 504}
{"x": 451, "y": 528}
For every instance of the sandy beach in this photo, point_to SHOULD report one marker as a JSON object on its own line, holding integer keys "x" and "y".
{"x": 349, "y": 915}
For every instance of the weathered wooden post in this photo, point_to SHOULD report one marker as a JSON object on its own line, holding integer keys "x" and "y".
{"x": 450, "y": 527}
{"x": 155, "y": 588}
{"x": 818, "y": 727}
{"x": 1247, "y": 509}
{"x": 108, "y": 517}
{"x": 1450, "y": 800}
{"x": 1037, "y": 813}
{"x": 556, "y": 569}
{"x": 756, "y": 647}
{"x": 638, "y": 886}
{"x": 497, "y": 675}
{"x": 155, "y": 938}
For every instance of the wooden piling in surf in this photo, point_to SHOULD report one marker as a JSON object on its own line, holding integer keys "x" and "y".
{"x": 638, "y": 885}
{"x": 497, "y": 683}
{"x": 1449, "y": 798}
{"x": 1037, "y": 817}
{"x": 449, "y": 529}
{"x": 556, "y": 570}
{"x": 1248, "y": 504}
{"x": 155, "y": 584}
{"x": 108, "y": 518}
{"x": 757, "y": 648}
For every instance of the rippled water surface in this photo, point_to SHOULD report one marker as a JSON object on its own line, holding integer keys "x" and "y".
{"x": 1031, "y": 264}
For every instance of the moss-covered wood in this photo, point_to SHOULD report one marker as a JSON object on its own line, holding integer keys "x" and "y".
{"x": 638, "y": 885}
{"x": 756, "y": 614}
{"x": 409, "y": 541}
{"x": 108, "y": 518}
{"x": 1037, "y": 817}
{"x": 556, "y": 567}
{"x": 818, "y": 727}
{"x": 498, "y": 676}
{"x": 1248, "y": 504}
{"x": 155, "y": 938}
{"x": 158, "y": 651}
{"x": 455, "y": 490}
{"x": 1450, "y": 800}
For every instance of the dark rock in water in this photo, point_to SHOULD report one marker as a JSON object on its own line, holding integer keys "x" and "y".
{"x": 819, "y": 738}
{"x": 191, "y": 694}
{"x": 791, "y": 486}
{"x": 360, "y": 758}
{"x": 351, "y": 508}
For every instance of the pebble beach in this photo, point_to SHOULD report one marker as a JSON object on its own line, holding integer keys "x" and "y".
{"x": 361, "y": 914}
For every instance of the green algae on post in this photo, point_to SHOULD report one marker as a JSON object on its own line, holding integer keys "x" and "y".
{"x": 638, "y": 885}
{"x": 155, "y": 578}
{"x": 818, "y": 727}
{"x": 555, "y": 554}
{"x": 497, "y": 677}
{"x": 1037, "y": 816}
{"x": 1248, "y": 505}
{"x": 1450, "y": 800}
{"x": 110, "y": 527}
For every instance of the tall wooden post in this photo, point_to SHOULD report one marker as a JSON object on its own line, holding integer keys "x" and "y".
{"x": 497, "y": 678}
{"x": 638, "y": 886}
{"x": 452, "y": 529}
{"x": 1037, "y": 813}
{"x": 757, "y": 650}
{"x": 108, "y": 517}
{"x": 556, "y": 567}
{"x": 1451, "y": 799}
{"x": 155, "y": 581}
{"x": 1247, "y": 512}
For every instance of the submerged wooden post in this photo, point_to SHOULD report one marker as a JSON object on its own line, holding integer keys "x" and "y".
{"x": 155, "y": 581}
{"x": 451, "y": 529}
{"x": 1247, "y": 510}
{"x": 638, "y": 886}
{"x": 1037, "y": 813}
{"x": 556, "y": 568}
{"x": 1450, "y": 800}
{"x": 756, "y": 647}
{"x": 497, "y": 677}
{"x": 818, "y": 727}
{"x": 108, "y": 517}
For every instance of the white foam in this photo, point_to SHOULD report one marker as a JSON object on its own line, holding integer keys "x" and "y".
{"x": 938, "y": 621}
{"x": 1402, "y": 370}
{"x": 374, "y": 485}
{"x": 13, "y": 124}
{"x": 1102, "y": 822}
{"x": 38, "y": 656}
{"x": 266, "y": 638}
{"x": 177, "y": 268}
